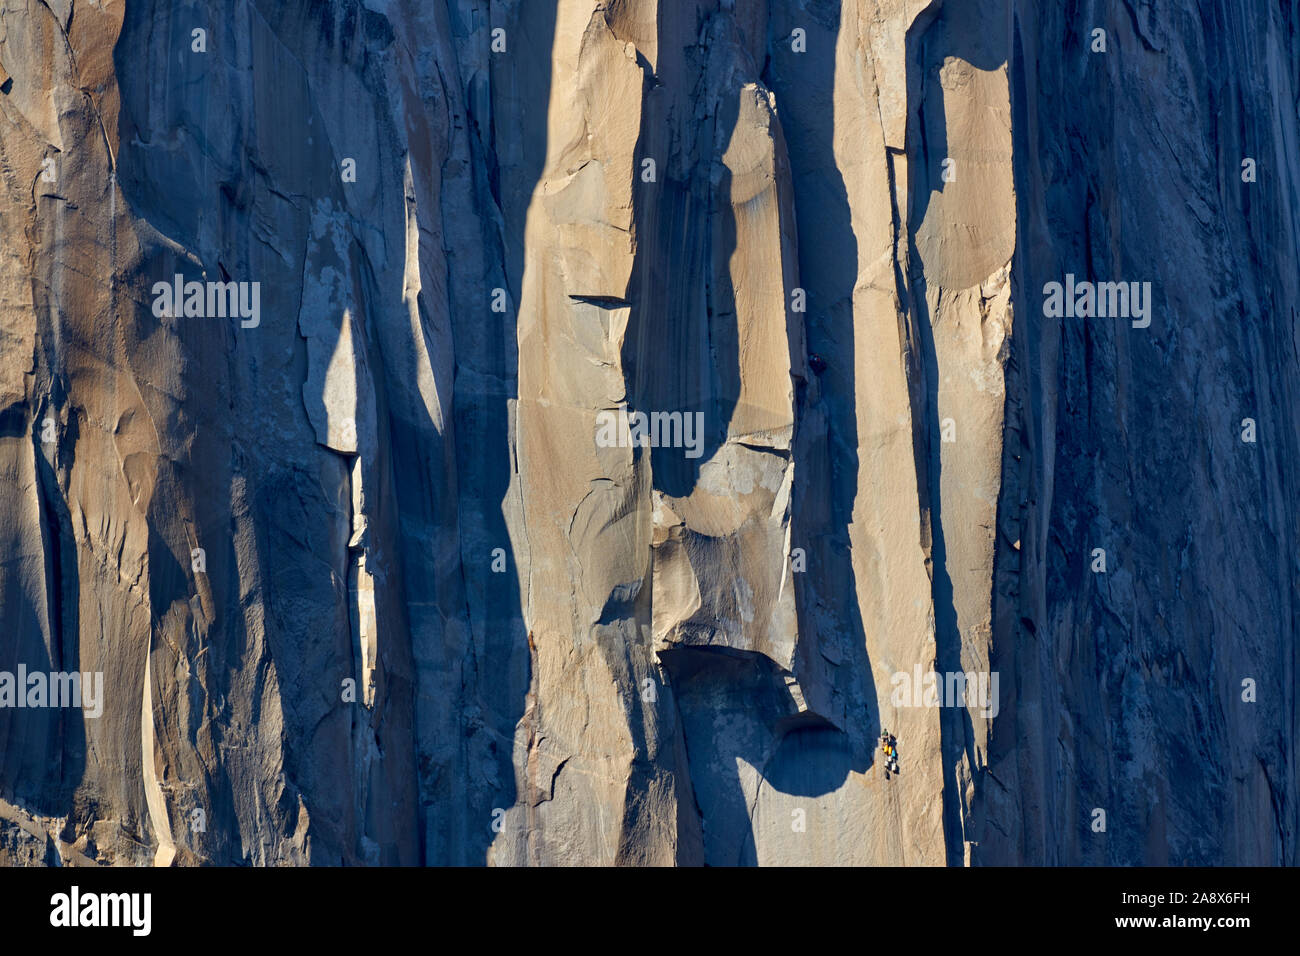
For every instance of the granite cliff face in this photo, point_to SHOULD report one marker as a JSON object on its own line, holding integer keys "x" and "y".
{"x": 358, "y": 532}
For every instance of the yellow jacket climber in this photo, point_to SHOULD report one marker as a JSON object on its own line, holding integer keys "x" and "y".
{"x": 889, "y": 748}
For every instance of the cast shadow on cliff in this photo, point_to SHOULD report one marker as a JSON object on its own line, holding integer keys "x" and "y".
{"x": 680, "y": 350}
{"x": 737, "y": 707}
{"x": 43, "y": 750}
{"x": 931, "y": 41}
{"x": 485, "y": 431}
{"x": 453, "y": 799}
{"x": 736, "y": 712}
{"x": 833, "y": 640}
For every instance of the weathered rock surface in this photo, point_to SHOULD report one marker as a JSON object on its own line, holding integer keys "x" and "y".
{"x": 366, "y": 579}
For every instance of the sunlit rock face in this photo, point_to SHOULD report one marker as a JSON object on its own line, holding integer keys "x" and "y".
{"x": 572, "y": 431}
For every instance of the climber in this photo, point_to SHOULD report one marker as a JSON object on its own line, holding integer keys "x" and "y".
{"x": 889, "y": 747}
{"x": 817, "y": 363}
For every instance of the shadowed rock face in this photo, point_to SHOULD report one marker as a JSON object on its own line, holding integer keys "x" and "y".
{"x": 378, "y": 572}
